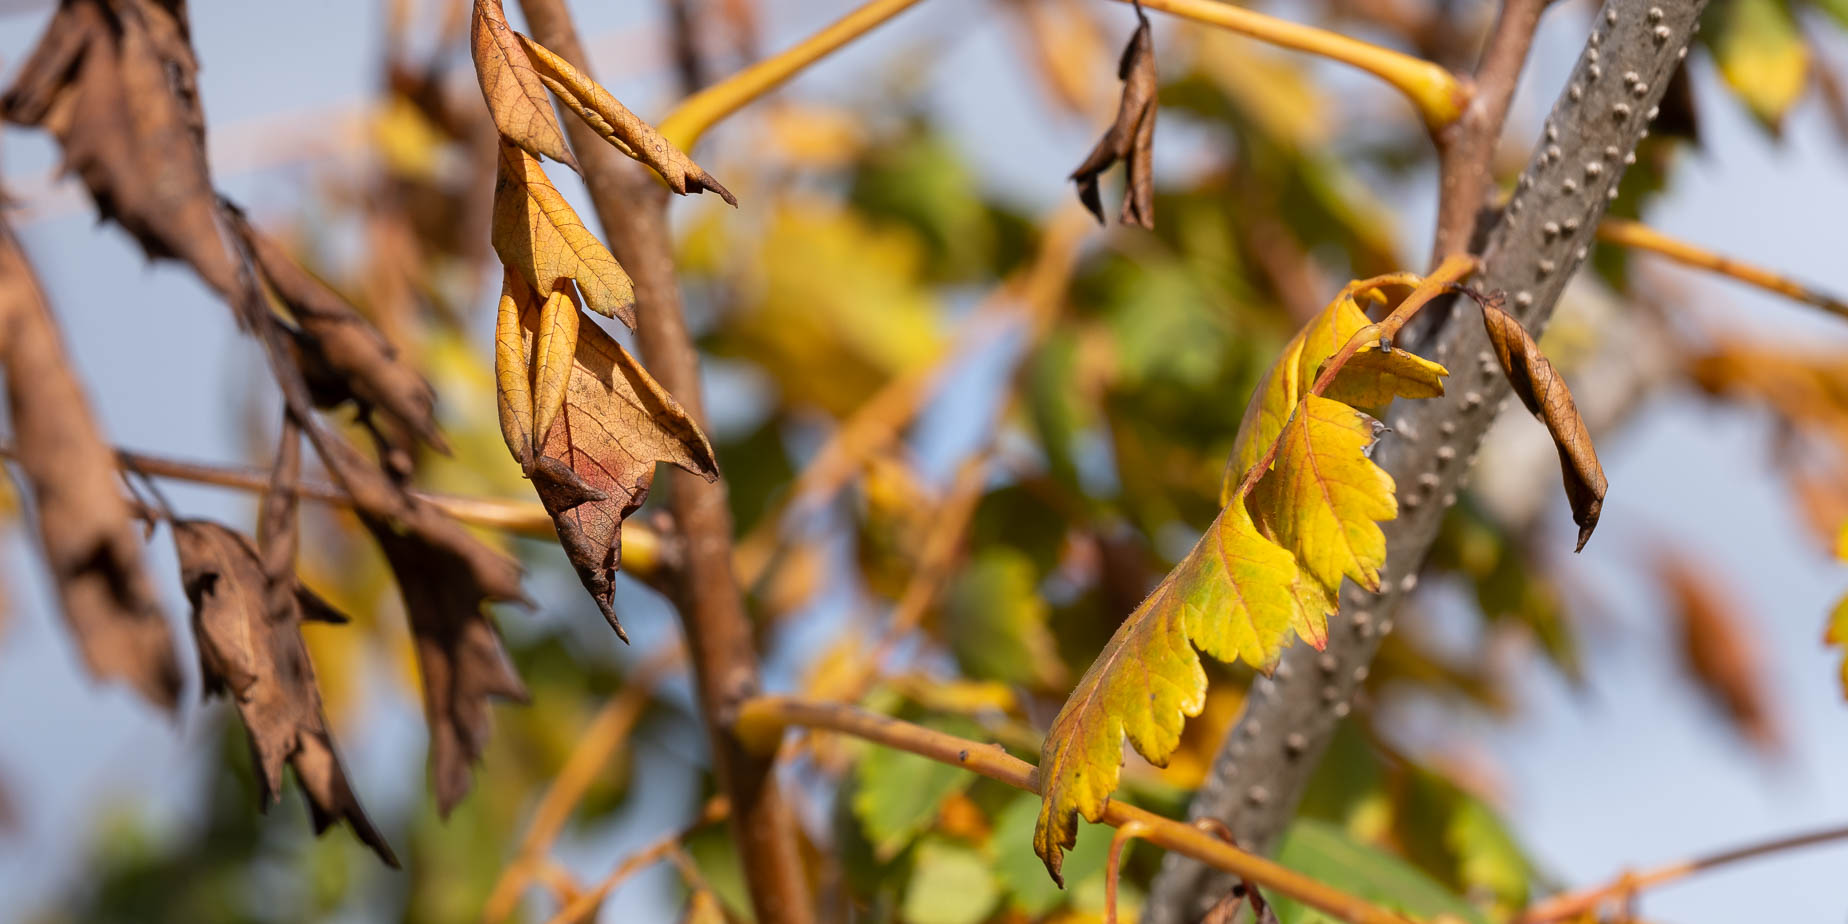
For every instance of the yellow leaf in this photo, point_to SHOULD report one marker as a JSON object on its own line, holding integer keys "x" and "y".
{"x": 516, "y": 97}
{"x": 624, "y": 129}
{"x": 1837, "y": 634}
{"x": 512, "y": 371}
{"x": 1324, "y": 497}
{"x": 538, "y": 234}
{"x": 1232, "y": 598}
{"x": 558, "y": 337}
{"x": 1763, "y": 57}
{"x": 1367, "y": 380}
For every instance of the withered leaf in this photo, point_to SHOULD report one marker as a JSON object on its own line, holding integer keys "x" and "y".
{"x": 114, "y": 81}
{"x": 91, "y": 545}
{"x": 1719, "y": 649}
{"x": 445, "y": 576}
{"x": 343, "y": 355}
{"x": 538, "y": 234}
{"x": 1541, "y": 388}
{"x": 595, "y": 465}
{"x": 620, "y": 127}
{"x": 256, "y": 656}
{"x": 515, "y": 96}
{"x": 1130, "y": 138}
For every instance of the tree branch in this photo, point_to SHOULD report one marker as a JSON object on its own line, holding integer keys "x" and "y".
{"x": 632, "y": 207}
{"x": 1466, "y": 148}
{"x": 762, "y": 720}
{"x": 1576, "y": 904}
{"x": 1539, "y": 240}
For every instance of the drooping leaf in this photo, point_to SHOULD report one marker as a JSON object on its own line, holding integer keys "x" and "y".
{"x": 1233, "y": 598}
{"x": 343, "y": 355}
{"x": 553, "y": 358}
{"x": 115, "y": 82}
{"x": 1544, "y": 392}
{"x": 1762, "y": 56}
{"x": 538, "y": 234}
{"x": 1371, "y": 378}
{"x": 1130, "y": 137}
{"x": 91, "y": 547}
{"x": 614, "y": 422}
{"x": 515, "y": 96}
{"x": 445, "y": 577}
{"x": 622, "y": 128}
{"x": 1320, "y": 850}
{"x": 255, "y": 656}
{"x": 949, "y": 884}
{"x": 898, "y": 795}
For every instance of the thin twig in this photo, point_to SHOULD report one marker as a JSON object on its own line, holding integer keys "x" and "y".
{"x": 716, "y": 809}
{"x": 1574, "y": 904}
{"x": 1437, "y": 93}
{"x": 702, "y": 110}
{"x": 1638, "y": 236}
{"x": 762, "y": 720}
{"x": 1466, "y": 148}
{"x": 600, "y": 739}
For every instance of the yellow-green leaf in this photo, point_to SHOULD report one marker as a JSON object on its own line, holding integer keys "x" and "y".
{"x": 538, "y": 235}
{"x": 1762, "y": 57}
{"x": 1232, "y": 598}
{"x": 1837, "y": 634}
{"x": 1371, "y": 378}
{"x": 515, "y": 96}
{"x": 1324, "y": 497}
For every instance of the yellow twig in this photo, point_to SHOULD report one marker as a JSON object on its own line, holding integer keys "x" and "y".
{"x": 702, "y": 110}
{"x": 600, "y": 739}
{"x": 1576, "y": 904}
{"x": 1439, "y": 95}
{"x": 1639, "y": 236}
{"x": 762, "y": 719}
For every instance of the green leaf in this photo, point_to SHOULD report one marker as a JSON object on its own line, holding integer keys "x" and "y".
{"x": 898, "y": 794}
{"x": 1020, "y": 872}
{"x": 1320, "y": 850}
{"x": 1762, "y": 56}
{"x": 996, "y": 622}
{"x": 949, "y": 885}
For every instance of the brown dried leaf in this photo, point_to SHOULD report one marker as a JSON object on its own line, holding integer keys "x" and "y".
{"x": 1131, "y": 138}
{"x": 91, "y": 546}
{"x": 624, "y": 129}
{"x": 344, "y": 357}
{"x": 594, "y": 467}
{"x": 515, "y": 96}
{"x": 1719, "y": 648}
{"x": 445, "y": 576}
{"x": 256, "y": 656}
{"x": 539, "y": 235}
{"x": 115, "y": 83}
{"x": 1541, "y": 388}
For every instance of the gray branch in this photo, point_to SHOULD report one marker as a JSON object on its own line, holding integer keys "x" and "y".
{"x": 1531, "y": 249}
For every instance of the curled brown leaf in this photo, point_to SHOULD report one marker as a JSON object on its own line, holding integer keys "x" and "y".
{"x": 91, "y": 545}
{"x": 620, "y": 127}
{"x": 1544, "y": 392}
{"x": 445, "y": 576}
{"x": 1719, "y": 649}
{"x": 255, "y": 655}
{"x": 1130, "y": 138}
{"x": 114, "y": 81}
{"x": 594, "y": 465}
{"x": 515, "y": 96}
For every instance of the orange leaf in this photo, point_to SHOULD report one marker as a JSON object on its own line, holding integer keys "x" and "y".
{"x": 539, "y": 235}
{"x": 516, "y": 97}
